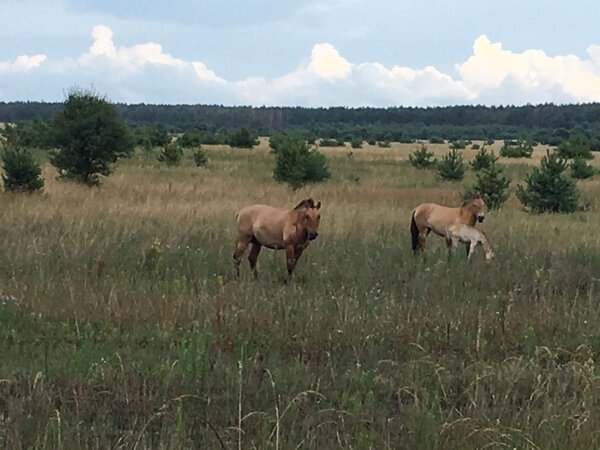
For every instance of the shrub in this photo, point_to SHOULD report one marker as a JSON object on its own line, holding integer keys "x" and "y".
{"x": 576, "y": 146}
{"x": 457, "y": 145}
{"x": 242, "y": 138}
{"x": 516, "y": 149}
{"x": 21, "y": 170}
{"x": 330, "y": 143}
{"x": 491, "y": 184}
{"x": 548, "y": 188}
{"x": 90, "y": 136}
{"x": 451, "y": 166}
{"x": 297, "y": 163}
{"x": 384, "y": 144}
{"x": 170, "y": 154}
{"x": 356, "y": 143}
{"x": 421, "y": 158}
{"x": 580, "y": 169}
{"x": 436, "y": 140}
{"x": 490, "y": 142}
{"x": 159, "y": 136}
{"x": 372, "y": 142}
{"x": 475, "y": 146}
{"x": 483, "y": 159}
{"x": 200, "y": 157}
{"x": 190, "y": 139}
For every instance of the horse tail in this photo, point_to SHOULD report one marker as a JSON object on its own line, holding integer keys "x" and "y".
{"x": 414, "y": 232}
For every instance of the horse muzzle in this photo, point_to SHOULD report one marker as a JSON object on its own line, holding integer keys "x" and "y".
{"x": 312, "y": 235}
{"x": 480, "y": 218}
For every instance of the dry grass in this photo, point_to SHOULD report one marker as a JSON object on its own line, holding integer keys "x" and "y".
{"x": 129, "y": 330}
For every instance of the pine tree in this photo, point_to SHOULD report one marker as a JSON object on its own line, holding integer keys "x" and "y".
{"x": 421, "y": 158}
{"x": 516, "y": 149}
{"x": 580, "y": 169}
{"x": 451, "y": 166}
{"x": 492, "y": 185}
{"x": 297, "y": 164}
{"x": 548, "y": 188}
{"x": 90, "y": 137}
{"x": 483, "y": 159}
{"x": 200, "y": 157}
{"x": 576, "y": 146}
{"x": 21, "y": 170}
{"x": 170, "y": 154}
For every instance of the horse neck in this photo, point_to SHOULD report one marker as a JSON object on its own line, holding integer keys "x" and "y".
{"x": 296, "y": 216}
{"x": 468, "y": 216}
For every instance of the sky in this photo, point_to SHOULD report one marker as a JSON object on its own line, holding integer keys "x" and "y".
{"x": 303, "y": 53}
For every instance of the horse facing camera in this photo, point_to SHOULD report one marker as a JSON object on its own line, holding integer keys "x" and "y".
{"x": 480, "y": 219}
{"x": 312, "y": 235}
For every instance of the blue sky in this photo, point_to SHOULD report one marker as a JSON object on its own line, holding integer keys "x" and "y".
{"x": 307, "y": 53}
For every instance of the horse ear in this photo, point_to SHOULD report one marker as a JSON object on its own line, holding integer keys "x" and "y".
{"x": 318, "y": 205}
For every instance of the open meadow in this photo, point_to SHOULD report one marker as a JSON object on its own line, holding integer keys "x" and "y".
{"x": 123, "y": 327}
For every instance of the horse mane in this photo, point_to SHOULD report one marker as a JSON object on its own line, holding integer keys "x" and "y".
{"x": 306, "y": 204}
{"x": 470, "y": 200}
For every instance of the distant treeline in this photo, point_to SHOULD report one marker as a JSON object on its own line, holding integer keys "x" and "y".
{"x": 547, "y": 123}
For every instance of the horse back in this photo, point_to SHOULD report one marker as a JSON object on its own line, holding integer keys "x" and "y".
{"x": 257, "y": 220}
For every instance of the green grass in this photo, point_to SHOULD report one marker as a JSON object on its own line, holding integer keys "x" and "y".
{"x": 122, "y": 326}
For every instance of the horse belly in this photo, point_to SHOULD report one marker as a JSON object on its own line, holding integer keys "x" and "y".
{"x": 268, "y": 238}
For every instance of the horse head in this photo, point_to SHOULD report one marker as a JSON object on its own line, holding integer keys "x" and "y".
{"x": 476, "y": 206}
{"x": 310, "y": 218}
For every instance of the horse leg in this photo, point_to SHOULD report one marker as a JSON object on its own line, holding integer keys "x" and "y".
{"x": 471, "y": 249}
{"x": 241, "y": 244}
{"x": 253, "y": 257}
{"x": 423, "y": 233}
{"x": 290, "y": 257}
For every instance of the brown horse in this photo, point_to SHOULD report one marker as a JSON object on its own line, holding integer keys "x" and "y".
{"x": 429, "y": 217}
{"x": 262, "y": 225}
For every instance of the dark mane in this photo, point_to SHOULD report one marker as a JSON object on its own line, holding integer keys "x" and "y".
{"x": 306, "y": 204}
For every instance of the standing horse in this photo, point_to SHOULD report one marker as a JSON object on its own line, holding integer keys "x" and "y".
{"x": 459, "y": 232}
{"x": 429, "y": 217}
{"x": 262, "y": 225}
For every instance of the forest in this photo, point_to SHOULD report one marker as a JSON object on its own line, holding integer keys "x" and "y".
{"x": 545, "y": 123}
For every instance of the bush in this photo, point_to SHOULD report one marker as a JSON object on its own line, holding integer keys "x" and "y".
{"x": 190, "y": 139}
{"x": 580, "y": 169}
{"x": 483, "y": 159}
{"x": 490, "y": 142}
{"x": 548, "y": 188}
{"x": 356, "y": 143}
{"x": 576, "y": 146}
{"x": 421, "y": 158}
{"x": 491, "y": 184}
{"x": 170, "y": 154}
{"x": 297, "y": 163}
{"x": 384, "y": 144}
{"x": 200, "y": 157}
{"x": 436, "y": 140}
{"x": 158, "y": 135}
{"x": 21, "y": 170}
{"x": 475, "y": 146}
{"x": 242, "y": 138}
{"x": 90, "y": 136}
{"x": 457, "y": 145}
{"x": 330, "y": 143}
{"x": 451, "y": 166}
{"x": 516, "y": 149}
{"x": 372, "y": 142}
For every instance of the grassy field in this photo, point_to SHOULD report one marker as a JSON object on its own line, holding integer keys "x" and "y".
{"x": 122, "y": 326}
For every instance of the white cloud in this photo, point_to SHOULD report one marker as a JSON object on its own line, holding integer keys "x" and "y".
{"x": 147, "y": 73}
{"x": 23, "y": 63}
{"x": 532, "y": 71}
{"x": 327, "y": 62}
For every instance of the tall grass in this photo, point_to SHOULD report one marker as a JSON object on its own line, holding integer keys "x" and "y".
{"x": 122, "y": 325}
